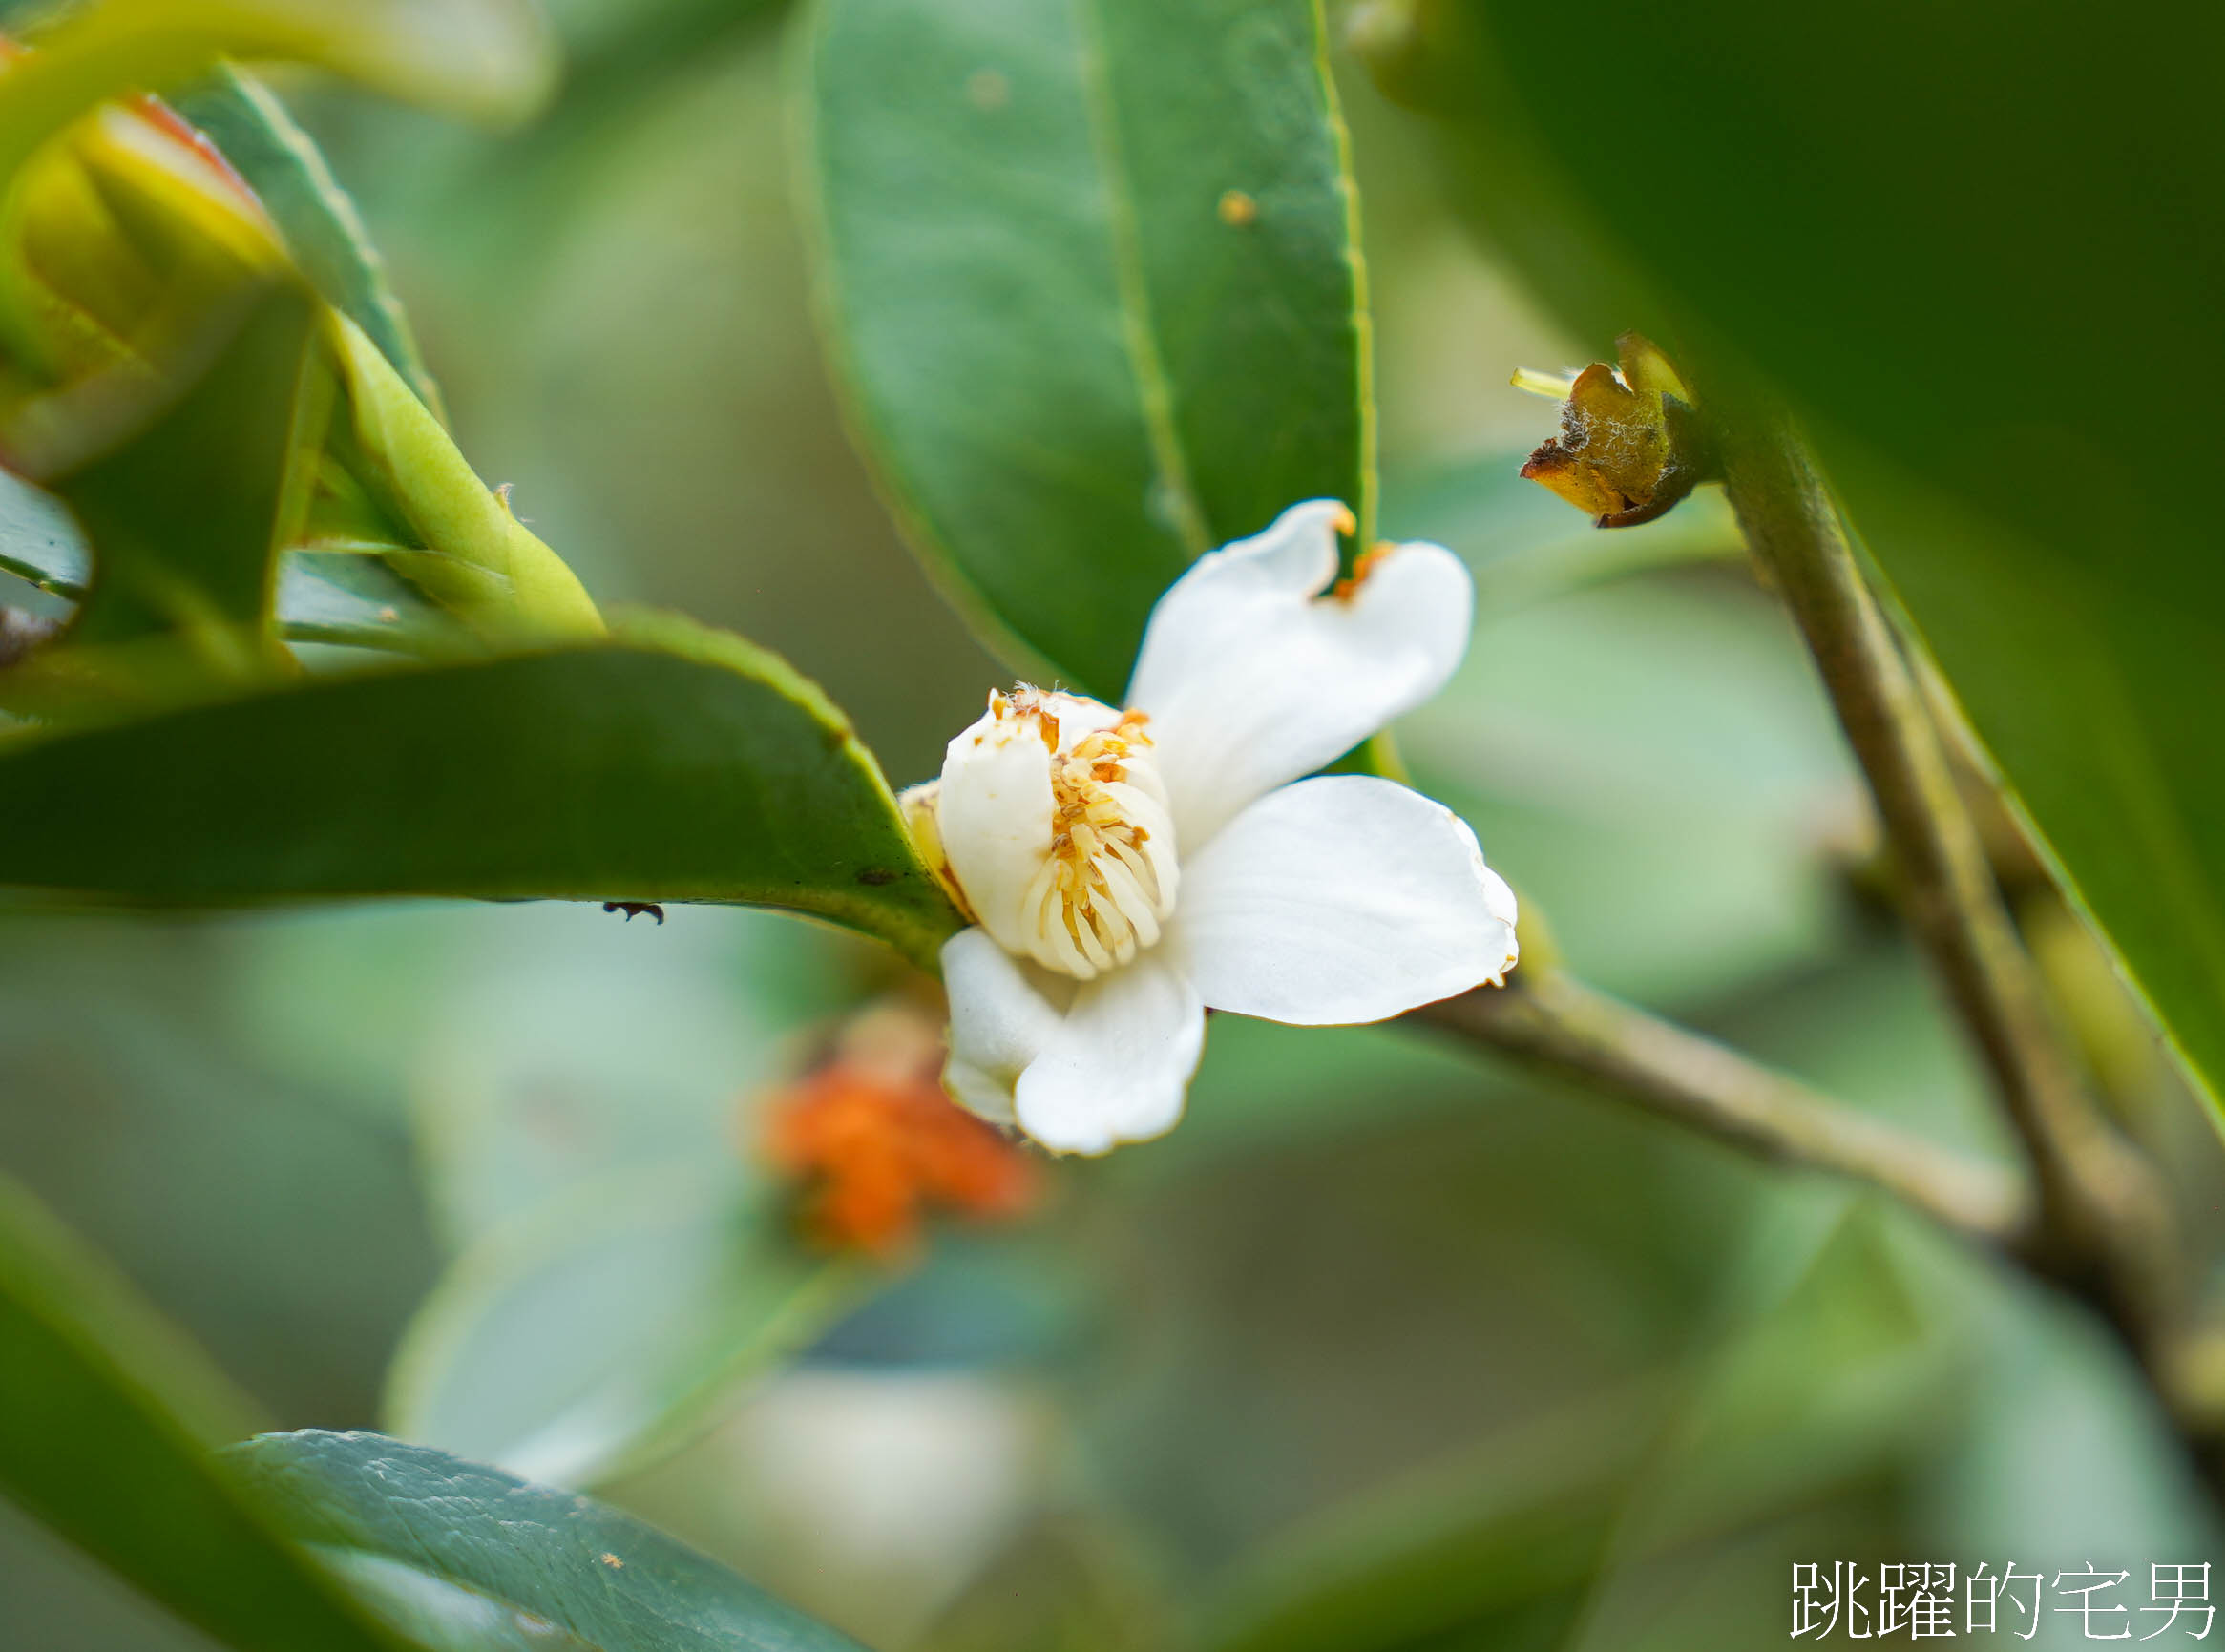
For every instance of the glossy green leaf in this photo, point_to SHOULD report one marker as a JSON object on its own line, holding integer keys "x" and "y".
{"x": 40, "y": 542}
{"x": 473, "y": 1546}
{"x": 334, "y": 597}
{"x": 108, "y": 1422}
{"x": 1090, "y": 277}
{"x": 322, "y": 230}
{"x": 1987, "y": 275}
{"x": 207, "y": 570}
{"x": 463, "y": 545}
{"x": 354, "y": 601}
{"x": 671, "y": 763}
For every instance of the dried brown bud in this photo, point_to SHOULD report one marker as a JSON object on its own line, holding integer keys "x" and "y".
{"x": 1631, "y": 444}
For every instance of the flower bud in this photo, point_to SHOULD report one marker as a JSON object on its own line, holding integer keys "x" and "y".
{"x": 124, "y": 241}
{"x": 1631, "y": 444}
{"x": 129, "y": 250}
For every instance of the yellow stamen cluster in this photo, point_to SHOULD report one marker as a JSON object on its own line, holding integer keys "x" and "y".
{"x": 1109, "y": 878}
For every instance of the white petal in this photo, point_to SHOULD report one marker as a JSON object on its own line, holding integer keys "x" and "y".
{"x": 1004, "y": 1012}
{"x": 1120, "y": 1064}
{"x": 1076, "y": 714}
{"x": 1499, "y": 898}
{"x": 1252, "y": 679}
{"x": 993, "y": 813}
{"x": 1341, "y": 900}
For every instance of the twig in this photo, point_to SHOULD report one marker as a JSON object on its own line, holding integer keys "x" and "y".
{"x": 1556, "y": 1022}
{"x": 1946, "y": 883}
{"x": 2104, "y": 1229}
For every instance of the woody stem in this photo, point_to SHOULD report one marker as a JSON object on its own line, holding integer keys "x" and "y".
{"x": 1555, "y": 1023}
{"x": 2102, "y": 1226}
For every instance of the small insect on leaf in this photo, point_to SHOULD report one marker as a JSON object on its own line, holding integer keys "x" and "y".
{"x": 634, "y": 909}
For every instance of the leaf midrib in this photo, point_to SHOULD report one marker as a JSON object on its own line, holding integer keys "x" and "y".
{"x": 1139, "y": 337}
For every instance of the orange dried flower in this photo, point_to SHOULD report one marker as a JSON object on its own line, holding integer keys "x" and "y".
{"x": 875, "y": 1143}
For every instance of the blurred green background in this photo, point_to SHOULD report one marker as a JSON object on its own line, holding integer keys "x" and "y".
{"x": 1383, "y": 1347}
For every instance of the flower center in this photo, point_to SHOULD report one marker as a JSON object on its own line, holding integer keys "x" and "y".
{"x": 1108, "y": 883}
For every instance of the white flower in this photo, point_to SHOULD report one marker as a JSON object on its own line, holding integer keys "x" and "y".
{"x": 1126, "y": 871}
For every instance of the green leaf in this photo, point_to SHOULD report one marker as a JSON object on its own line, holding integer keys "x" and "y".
{"x": 473, "y": 1543}
{"x": 669, "y": 762}
{"x": 1092, "y": 282}
{"x": 319, "y": 223}
{"x": 490, "y": 59}
{"x": 108, "y": 1420}
{"x": 207, "y": 571}
{"x": 333, "y": 597}
{"x": 354, "y": 601}
{"x": 1996, "y": 307}
{"x": 469, "y": 551}
{"x": 608, "y": 1329}
{"x": 40, "y": 542}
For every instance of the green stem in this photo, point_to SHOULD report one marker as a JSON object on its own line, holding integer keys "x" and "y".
{"x": 1555, "y": 1022}
{"x": 2103, "y": 1225}
{"x": 1948, "y": 885}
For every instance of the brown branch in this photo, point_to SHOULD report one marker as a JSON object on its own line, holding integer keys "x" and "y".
{"x": 1556, "y": 1023}
{"x": 1945, "y": 881}
{"x": 2104, "y": 1227}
